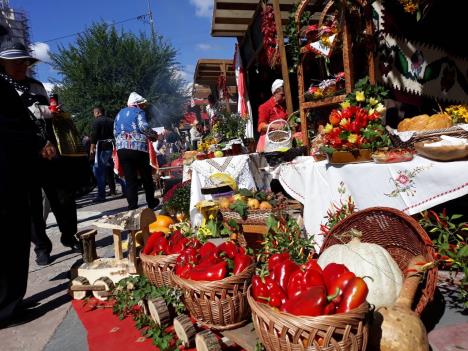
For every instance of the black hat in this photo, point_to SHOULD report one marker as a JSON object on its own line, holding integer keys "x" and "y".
{"x": 16, "y": 51}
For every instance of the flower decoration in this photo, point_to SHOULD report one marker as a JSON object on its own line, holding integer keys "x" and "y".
{"x": 410, "y": 6}
{"x": 326, "y": 88}
{"x": 459, "y": 113}
{"x": 357, "y": 124}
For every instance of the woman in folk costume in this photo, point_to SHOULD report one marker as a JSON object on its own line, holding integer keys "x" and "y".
{"x": 131, "y": 132}
{"x": 272, "y": 110}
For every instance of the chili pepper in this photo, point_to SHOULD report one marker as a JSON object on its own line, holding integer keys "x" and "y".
{"x": 283, "y": 271}
{"x": 149, "y": 247}
{"x": 340, "y": 283}
{"x": 275, "y": 259}
{"x": 259, "y": 289}
{"x": 229, "y": 248}
{"x": 241, "y": 262}
{"x": 312, "y": 264}
{"x": 160, "y": 246}
{"x": 310, "y": 303}
{"x": 214, "y": 272}
{"x": 332, "y": 272}
{"x": 354, "y": 295}
{"x": 207, "y": 249}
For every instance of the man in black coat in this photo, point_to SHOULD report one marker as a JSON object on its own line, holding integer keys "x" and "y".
{"x": 21, "y": 145}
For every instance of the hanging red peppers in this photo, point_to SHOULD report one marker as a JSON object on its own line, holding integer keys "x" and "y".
{"x": 270, "y": 44}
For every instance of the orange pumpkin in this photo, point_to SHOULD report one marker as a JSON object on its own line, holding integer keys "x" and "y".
{"x": 163, "y": 221}
{"x": 153, "y": 228}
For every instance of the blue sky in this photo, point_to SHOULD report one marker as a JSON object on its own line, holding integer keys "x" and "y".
{"x": 184, "y": 23}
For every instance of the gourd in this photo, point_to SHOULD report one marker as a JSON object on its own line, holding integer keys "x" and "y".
{"x": 162, "y": 221}
{"x": 371, "y": 260}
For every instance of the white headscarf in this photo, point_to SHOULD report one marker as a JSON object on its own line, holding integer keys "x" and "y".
{"x": 135, "y": 99}
{"x": 276, "y": 85}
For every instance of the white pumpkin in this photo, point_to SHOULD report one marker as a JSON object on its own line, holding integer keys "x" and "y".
{"x": 366, "y": 259}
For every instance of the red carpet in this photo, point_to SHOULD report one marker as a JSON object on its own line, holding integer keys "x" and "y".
{"x": 106, "y": 332}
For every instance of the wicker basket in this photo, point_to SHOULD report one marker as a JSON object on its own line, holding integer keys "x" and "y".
{"x": 158, "y": 268}
{"x": 221, "y": 304}
{"x": 253, "y": 216}
{"x": 429, "y": 135}
{"x": 399, "y": 234}
{"x": 283, "y": 331}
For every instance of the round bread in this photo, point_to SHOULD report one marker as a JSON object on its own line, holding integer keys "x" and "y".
{"x": 415, "y": 123}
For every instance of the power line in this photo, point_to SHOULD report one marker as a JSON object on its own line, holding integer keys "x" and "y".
{"x": 140, "y": 18}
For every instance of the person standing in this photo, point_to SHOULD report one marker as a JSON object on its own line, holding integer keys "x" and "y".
{"x": 195, "y": 135}
{"x": 22, "y": 143}
{"x": 102, "y": 144}
{"x": 131, "y": 131}
{"x": 273, "y": 109}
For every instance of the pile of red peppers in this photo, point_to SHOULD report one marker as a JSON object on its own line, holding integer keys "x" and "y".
{"x": 306, "y": 289}
{"x": 159, "y": 244}
{"x": 209, "y": 262}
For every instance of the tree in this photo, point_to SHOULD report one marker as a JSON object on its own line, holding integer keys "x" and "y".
{"x": 105, "y": 66}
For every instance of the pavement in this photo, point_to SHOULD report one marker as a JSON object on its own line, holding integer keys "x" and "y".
{"x": 56, "y": 326}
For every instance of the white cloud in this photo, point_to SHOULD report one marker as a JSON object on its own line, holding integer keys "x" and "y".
{"x": 203, "y": 8}
{"x": 204, "y": 47}
{"x": 41, "y": 51}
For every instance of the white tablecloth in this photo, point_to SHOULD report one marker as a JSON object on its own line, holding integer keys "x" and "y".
{"x": 245, "y": 169}
{"x": 408, "y": 186}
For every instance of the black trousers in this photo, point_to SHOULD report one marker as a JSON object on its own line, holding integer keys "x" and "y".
{"x": 15, "y": 234}
{"x": 39, "y": 236}
{"x": 133, "y": 163}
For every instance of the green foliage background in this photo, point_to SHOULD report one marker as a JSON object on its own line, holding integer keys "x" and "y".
{"x": 104, "y": 66}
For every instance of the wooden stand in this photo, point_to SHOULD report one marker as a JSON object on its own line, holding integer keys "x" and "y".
{"x": 88, "y": 241}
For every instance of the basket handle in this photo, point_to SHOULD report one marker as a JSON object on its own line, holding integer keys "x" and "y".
{"x": 281, "y": 121}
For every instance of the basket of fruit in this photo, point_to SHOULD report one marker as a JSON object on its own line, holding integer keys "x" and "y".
{"x": 214, "y": 282}
{"x": 159, "y": 256}
{"x": 302, "y": 307}
{"x": 248, "y": 207}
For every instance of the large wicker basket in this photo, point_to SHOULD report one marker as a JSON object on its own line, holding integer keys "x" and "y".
{"x": 158, "y": 268}
{"x": 399, "y": 234}
{"x": 285, "y": 332}
{"x": 221, "y": 304}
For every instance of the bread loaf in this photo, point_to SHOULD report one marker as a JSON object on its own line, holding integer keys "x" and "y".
{"x": 424, "y": 122}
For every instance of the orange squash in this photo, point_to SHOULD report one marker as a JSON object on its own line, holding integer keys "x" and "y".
{"x": 163, "y": 221}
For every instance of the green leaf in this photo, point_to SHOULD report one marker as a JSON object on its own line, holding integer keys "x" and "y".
{"x": 245, "y": 192}
{"x": 456, "y": 216}
{"x": 240, "y": 207}
{"x": 463, "y": 252}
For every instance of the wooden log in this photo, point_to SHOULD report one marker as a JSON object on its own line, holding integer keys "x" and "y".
{"x": 86, "y": 287}
{"x": 88, "y": 241}
{"x": 159, "y": 311}
{"x": 207, "y": 341}
{"x": 78, "y": 281}
{"x": 132, "y": 264}
{"x": 185, "y": 330}
{"x": 109, "y": 286}
{"x": 117, "y": 234}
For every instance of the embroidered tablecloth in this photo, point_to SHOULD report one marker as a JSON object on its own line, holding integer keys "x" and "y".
{"x": 245, "y": 169}
{"x": 408, "y": 186}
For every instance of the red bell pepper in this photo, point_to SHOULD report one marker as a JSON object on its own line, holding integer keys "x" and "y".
{"x": 312, "y": 264}
{"x": 178, "y": 247}
{"x": 182, "y": 270}
{"x": 276, "y": 296}
{"x": 259, "y": 289}
{"x": 229, "y": 248}
{"x": 195, "y": 243}
{"x": 241, "y": 262}
{"x": 340, "y": 283}
{"x": 332, "y": 272}
{"x": 161, "y": 246}
{"x": 149, "y": 246}
{"x": 282, "y": 272}
{"x": 330, "y": 308}
{"x": 214, "y": 272}
{"x": 242, "y": 250}
{"x": 190, "y": 255}
{"x": 207, "y": 250}
{"x": 275, "y": 259}
{"x": 311, "y": 302}
{"x": 354, "y": 295}
{"x": 176, "y": 236}
{"x": 301, "y": 281}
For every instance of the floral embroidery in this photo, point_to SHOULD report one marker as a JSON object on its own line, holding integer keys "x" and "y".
{"x": 404, "y": 182}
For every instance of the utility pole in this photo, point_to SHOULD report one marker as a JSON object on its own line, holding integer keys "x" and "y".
{"x": 153, "y": 32}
